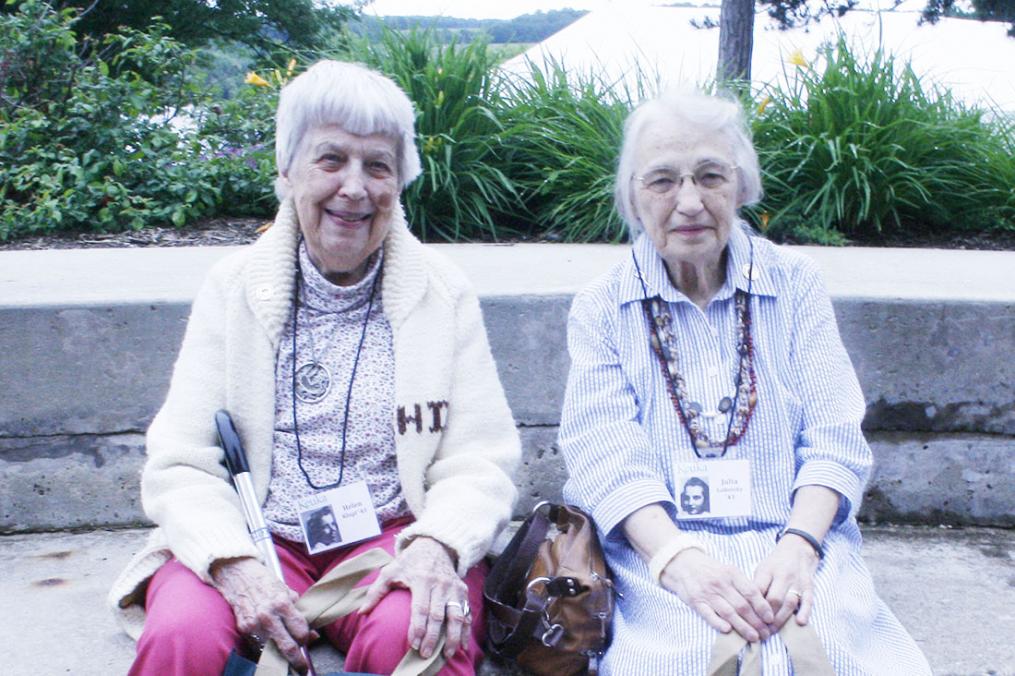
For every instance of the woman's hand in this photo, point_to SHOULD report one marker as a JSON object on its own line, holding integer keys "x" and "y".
{"x": 786, "y": 578}
{"x": 719, "y": 593}
{"x": 427, "y": 570}
{"x": 263, "y": 605}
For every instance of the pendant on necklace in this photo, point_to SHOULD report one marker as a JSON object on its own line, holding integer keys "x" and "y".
{"x": 313, "y": 382}
{"x": 725, "y": 404}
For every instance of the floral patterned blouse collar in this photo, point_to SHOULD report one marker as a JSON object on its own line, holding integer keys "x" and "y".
{"x": 318, "y": 293}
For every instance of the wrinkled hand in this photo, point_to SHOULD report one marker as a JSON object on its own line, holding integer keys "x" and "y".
{"x": 719, "y": 593}
{"x": 263, "y": 605}
{"x": 786, "y": 578}
{"x": 426, "y": 569}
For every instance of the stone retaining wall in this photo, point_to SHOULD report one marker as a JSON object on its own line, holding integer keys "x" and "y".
{"x": 81, "y": 380}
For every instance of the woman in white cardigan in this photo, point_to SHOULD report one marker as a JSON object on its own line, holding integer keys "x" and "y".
{"x": 356, "y": 367}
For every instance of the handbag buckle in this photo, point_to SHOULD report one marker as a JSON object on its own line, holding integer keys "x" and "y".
{"x": 535, "y": 581}
{"x": 564, "y": 586}
{"x": 551, "y": 637}
{"x": 595, "y": 657}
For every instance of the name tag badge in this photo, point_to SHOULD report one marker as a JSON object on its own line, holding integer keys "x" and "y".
{"x": 338, "y": 517}
{"x": 713, "y": 489}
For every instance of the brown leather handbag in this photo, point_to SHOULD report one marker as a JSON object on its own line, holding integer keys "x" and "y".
{"x": 549, "y": 597}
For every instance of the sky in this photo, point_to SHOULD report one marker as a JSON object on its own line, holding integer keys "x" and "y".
{"x": 509, "y": 9}
{"x": 476, "y": 9}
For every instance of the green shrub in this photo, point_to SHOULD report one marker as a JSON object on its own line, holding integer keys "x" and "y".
{"x": 123, "y": 134}
{"x": 237, "y": 138}
{"x": 862, "y": 149}
{"x": 463, "y": 187}
{"x": 561, "y": 142}
{"x": 81, "y": 139}
{"x": 103, "y": 145}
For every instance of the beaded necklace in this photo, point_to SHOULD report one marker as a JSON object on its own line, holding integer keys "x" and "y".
{"x": 664, "y": 345}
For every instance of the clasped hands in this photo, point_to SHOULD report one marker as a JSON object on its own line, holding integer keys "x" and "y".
{"x": 263, "y": 606}
{"x": 754, "y": 608}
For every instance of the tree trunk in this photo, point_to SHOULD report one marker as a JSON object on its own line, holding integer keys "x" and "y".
{"x": 736, "y": 40}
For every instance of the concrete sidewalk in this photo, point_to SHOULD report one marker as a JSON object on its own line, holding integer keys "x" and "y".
{"x": 954, "y": 589}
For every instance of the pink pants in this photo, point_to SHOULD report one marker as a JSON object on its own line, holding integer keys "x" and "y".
{"x": 190, "y": 630}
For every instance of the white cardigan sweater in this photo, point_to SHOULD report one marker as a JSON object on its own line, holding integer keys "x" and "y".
{"x": 455, "y": 440}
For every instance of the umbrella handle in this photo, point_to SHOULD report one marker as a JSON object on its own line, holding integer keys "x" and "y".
{"x": 236, "y": 457}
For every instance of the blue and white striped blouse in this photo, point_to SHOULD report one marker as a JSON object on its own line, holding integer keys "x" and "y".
{"x": 621, "y": 436}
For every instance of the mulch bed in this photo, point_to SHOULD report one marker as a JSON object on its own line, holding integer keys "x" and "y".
{"x": 213, "y": 232}
{"x": 235, "y": 231}
{"x": 1001, "y": 240}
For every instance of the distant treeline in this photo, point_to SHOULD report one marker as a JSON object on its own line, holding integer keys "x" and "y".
{"x": 526, "y": 28}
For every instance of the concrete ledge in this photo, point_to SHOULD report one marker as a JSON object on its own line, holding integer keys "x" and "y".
{"x": 952, "y": 590}
{"x": 89, "y": 338}
{"x": 63, "y": 482}
{"x": 941, "y": 478}
{"x": 56, "y": 277}
{"x": 89, "y": 481}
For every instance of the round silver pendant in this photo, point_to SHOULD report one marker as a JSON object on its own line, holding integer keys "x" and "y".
{"x": 313, "y": 382}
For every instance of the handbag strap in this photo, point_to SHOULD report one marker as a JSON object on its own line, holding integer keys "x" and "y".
{"x": 336, "y": 595}
{"x": 510, "y": 628}
{"x": 802, "y": 644}
{"x": 513, "y": 564}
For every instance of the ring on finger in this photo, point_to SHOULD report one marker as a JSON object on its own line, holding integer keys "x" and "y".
{"x": 462, "y": 605}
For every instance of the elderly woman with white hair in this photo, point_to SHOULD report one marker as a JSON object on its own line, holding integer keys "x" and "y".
{"x": 356, "y": 366}
{"x": 711, "y": 357}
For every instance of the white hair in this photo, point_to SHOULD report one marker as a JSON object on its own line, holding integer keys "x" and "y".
{"x": 353, "y": 97}
{"x": 700, "y": 113}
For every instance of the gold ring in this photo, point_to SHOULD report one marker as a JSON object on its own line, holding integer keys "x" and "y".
{"x": 462, "y": 606}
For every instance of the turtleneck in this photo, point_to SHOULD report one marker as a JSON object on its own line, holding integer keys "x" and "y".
{"x": 321, "y": 295}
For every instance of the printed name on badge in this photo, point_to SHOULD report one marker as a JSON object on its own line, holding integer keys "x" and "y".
{"x": 338, "y": 517}
{"x": 713, "y": 489}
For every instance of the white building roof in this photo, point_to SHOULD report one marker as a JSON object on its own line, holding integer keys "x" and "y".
{"x": 973, "y": 59}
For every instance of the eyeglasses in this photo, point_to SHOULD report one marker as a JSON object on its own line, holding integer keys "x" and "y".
{"x": 707, "y": 176}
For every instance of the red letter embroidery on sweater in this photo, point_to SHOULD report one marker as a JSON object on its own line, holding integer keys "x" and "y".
{"x": 405, "y": 420}
{"x": 435, "y": 407}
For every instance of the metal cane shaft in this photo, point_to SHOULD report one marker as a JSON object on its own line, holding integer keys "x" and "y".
{"x": 259, "y": 531}
{"x": 236, "y": 463}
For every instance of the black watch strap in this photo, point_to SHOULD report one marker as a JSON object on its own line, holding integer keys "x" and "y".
{"x": 811, "y": 540}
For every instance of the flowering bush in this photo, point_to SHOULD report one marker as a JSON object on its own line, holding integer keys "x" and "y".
{"x": 95, "y": 142}
{"x": 860, "y": 148}
{"x": 121, "y": 135}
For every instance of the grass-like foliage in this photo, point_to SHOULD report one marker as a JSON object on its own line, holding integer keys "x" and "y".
{"x": 862, "y": 149}
{"x": 123, "y": 134}
{"x": 464, "y": 186}
{"x": 561, "y": 140}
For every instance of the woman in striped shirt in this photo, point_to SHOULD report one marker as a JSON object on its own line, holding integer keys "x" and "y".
{"x": 711, "y": 424}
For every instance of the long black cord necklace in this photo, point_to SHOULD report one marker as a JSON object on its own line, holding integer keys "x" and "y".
{"x": 352, "y": 379}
